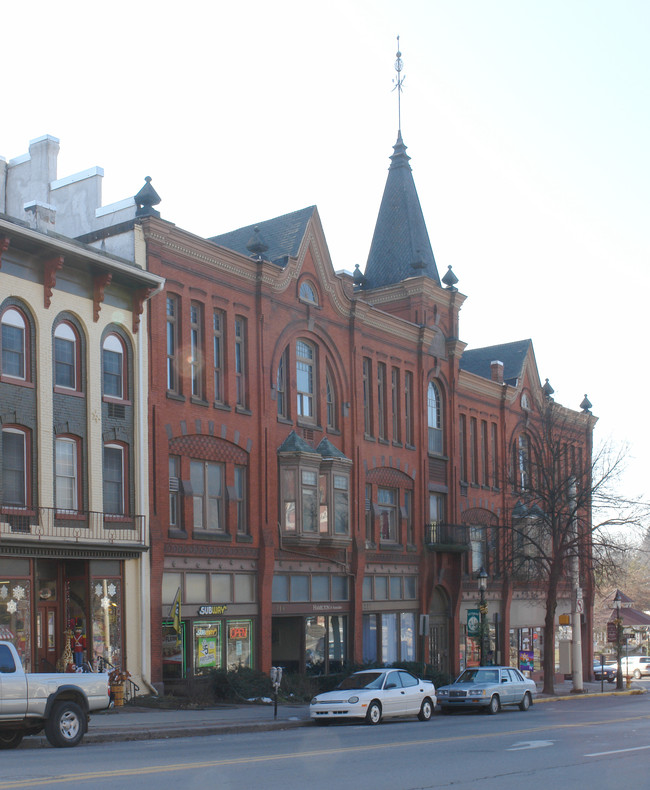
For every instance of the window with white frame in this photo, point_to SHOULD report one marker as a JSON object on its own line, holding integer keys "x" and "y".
{"x": 14, "y": 344}
{"x": 434, "y": 418}
{"x": 114, "y": 479}
{"x": 113, "y": 367}
{"x": 196, "y": 349}
{"x": 14, "y": 467}
{"x": 65, "y": 356}
{"x": 387, "y": 501}
{"x": 66, "y": 469}
{"x": 305, "y": 380}
{"x": 207, "y": 488}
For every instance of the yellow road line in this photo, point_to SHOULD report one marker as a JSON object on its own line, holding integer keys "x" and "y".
{"x": 154, "y": 769}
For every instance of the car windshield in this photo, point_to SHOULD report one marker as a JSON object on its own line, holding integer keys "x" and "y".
{"x": 479, "y": 676}
{"x": 362, "y": 680}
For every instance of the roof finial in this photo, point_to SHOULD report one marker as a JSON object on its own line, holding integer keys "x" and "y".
{"x": 399, "y": 65}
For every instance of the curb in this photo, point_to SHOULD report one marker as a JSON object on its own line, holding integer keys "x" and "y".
{"x": 591, "y": 694}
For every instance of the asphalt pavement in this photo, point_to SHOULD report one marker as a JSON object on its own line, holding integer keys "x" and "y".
{"x": 134, "y": 722}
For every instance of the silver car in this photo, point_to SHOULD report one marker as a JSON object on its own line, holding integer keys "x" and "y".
{"x": 489, "y": 688}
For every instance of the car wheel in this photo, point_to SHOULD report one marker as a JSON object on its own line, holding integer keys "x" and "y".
{"x": 426, "y": 711}
{"x": 10, "y": 739}
{"x": 494, "y": 706}
{"x": 66, "y": 725}
{"x": 526, "y": 702}
{"x": 637, "y": 674}
{"x": 373, "y": 716}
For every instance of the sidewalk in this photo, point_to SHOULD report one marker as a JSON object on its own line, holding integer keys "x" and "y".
{"x": 133, "y": 723}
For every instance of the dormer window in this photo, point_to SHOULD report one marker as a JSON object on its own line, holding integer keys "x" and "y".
{"x": 308, "y": 293}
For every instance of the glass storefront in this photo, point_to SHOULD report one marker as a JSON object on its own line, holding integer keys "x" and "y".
{"x": 389, "y": 637}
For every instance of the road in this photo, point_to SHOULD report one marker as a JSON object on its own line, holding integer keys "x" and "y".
{"x": 596, "y": 743}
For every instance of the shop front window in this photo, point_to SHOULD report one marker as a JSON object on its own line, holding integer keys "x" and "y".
{"x": 15, "y": 616}
{"x": 325, "y": 643}
{"x": 239, "y": 643}
{"x": 207, "y": 646}
{"x": 173, "y": 654}
{"x": 107, "y": 622}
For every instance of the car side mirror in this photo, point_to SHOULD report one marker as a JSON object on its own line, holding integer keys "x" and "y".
{"x": 504, "y": 680}
{"x": 391, "y": 685}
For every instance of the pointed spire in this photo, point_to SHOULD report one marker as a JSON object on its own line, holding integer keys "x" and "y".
{"x": 586, "y": 405}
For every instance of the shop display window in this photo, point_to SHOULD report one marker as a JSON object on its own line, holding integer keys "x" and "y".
{"x": 207, "y": 646}
{"x": 15, "y": 617}
{"x": 173, "y": 652}
{"x": 106, "y": 596}
{"x": 239, "y": 643}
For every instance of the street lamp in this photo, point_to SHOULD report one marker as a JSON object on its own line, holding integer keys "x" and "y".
{"x": 483, "y": 609}
{"x": 619, "y": 670}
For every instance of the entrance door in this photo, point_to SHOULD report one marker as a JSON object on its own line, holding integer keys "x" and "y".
{"x": 439, "y": 631}
{"x": 48, "y": 632}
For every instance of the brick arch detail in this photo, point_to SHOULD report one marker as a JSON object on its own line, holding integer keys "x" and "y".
{"x": 479, "y": 517}
{"x": 209, "y": 448}
{"x": 391, "y": 478}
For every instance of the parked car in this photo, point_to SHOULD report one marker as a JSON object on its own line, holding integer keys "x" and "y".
{"x": 373, "y": 695}
{"x": 606, "y": 671}
{"x": 636, "y": 666}
{"x": 487, "y": 688}
{"x": 58, "y": 703}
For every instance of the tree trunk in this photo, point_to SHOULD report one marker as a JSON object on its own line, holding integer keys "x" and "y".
{"x": 548, "y": 663}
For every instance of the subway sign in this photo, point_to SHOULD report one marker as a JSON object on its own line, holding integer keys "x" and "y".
{"x": 212, "y": 609}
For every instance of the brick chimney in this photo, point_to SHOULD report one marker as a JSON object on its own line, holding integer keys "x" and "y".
{"x": 496, "y": 371}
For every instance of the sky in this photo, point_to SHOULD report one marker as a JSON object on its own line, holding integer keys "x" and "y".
{"x": 527, "y": 123}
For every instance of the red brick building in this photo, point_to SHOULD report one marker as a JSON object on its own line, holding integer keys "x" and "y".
{"x": 329, "y": 464}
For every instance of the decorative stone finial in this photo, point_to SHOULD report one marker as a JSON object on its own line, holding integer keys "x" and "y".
{"x": 146, "y": 199}
{"x": 547, "y": 389}
{"x": 586, "y": 405}
{"x": 450, "y": 280}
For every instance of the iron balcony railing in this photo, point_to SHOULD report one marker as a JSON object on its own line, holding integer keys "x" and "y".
{"x": 70, "y": 526}
{"x": 446, "y": 537}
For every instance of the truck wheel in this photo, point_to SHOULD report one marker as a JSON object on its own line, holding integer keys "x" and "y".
{"x": 66, "y": 725}
{"x": 10, "y": 739}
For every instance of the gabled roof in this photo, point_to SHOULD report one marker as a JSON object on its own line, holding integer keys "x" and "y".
{"x": 400, "y": 245}
{"x": 282, "y": 236}
{"x": 512, "y": 355}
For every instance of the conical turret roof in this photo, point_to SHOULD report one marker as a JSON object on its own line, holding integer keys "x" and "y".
{"x": 400, "y": 246}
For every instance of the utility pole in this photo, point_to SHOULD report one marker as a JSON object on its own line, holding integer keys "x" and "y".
{"x": 577, "y": 601}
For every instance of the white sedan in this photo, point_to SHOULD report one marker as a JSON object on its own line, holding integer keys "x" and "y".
{"x": 375, "y": 694}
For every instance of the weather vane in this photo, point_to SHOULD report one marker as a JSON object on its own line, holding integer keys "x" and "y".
{"x": 399, "y": 65}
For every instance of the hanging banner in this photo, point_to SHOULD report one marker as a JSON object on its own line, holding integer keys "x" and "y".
{"x": 473, "y": 622}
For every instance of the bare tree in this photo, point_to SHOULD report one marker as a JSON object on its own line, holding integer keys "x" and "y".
{"x": 569, "y": 506}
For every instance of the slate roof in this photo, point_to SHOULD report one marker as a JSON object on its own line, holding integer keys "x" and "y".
{"x": 328, "y": 450}
{"x": 295, "y": 444}
{"x": 400, "y": 245}
{"x": 512, "y": 355}
{"x": 282, "y": 235}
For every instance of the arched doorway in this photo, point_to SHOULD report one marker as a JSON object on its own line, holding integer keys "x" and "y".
{"x": 439, "y": 614}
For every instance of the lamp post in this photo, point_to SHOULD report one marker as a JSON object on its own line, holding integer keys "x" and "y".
{"x": 483, "y": 609}
{"x": 619, "y": 670}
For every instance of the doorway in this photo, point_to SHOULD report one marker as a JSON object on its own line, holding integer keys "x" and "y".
{"x": 439, "y": 631}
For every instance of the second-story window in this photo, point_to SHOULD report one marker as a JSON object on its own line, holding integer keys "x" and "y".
{"x": 395, "y": 404}
{"x": 434, "y": 418}
{"x": 473, "y": 450}
{"x": 207, "y": 488}
{"x": 218, "y": 345}
{"x": 387, "y": 505}
{"x": 67, "y": 476}
{"x": 241, "y": 500}
{"x": 14, "y": 467}
{"x": 331, "y": 401}
{"x": 196, "y": 349}
{"x": 381, "y": 400}
{"x": 174, "y": 491}
{"x": 173, "y": 384}
{"x": 408, "y": 408}
{"x": 281, "y": 384}
{"x": 114, "y": 479}
{"x": 367, "y": 397}
{"x": 305, "y": 380}
{"x": 241, "y": 360}
{"x": 495, "y": 455}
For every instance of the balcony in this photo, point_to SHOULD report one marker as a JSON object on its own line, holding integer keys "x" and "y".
{"x": 51, "y": 526}
{"x": 446, "y": 537}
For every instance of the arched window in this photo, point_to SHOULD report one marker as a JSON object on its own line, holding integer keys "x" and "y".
{"x": 434, "y": 419}
{"x": 305, "y": 380}
{"x": 66, "y": 356}
{"x": 14, "y": 344}
{"x": 308, "y": 293}
{"x": 113, "y": 367}
{"x": 281, "y": 384}
{"x": 523, "y": 462}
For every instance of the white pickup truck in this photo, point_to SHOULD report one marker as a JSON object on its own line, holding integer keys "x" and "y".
{"x": 59, "y": 702}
